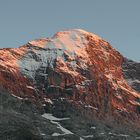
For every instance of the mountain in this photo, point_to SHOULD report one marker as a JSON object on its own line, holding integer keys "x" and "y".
{"x": 73, "y": 85}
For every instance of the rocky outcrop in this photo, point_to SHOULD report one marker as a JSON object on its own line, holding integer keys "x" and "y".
{"x": 131, "y": 73}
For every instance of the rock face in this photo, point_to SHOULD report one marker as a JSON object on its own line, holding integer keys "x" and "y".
{"x": 131, "y": 73}
{"x": 74, "y": 71}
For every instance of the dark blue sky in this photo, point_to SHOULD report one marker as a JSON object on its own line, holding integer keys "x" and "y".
{"x": 117, "y": 21}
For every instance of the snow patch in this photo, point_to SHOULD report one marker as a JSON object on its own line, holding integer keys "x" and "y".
{"x": 57, "y": 134}
{"x": 45, "y": 52}
{"x": 89, "y": 106}
{"x": 53, "y": 120}
{"x": 121, "y": 135}
{"x": 17, "y": 97}
{"x": 34, "y": 59}
{"x": 93, "y": 127}
{"x": 88, "y": 136}
{"x": 48, "y": 101}
{"x": 29, "y": 87}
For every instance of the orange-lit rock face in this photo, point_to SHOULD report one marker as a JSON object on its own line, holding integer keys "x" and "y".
{"x": 10, "y": 75}
{"x": 74, "y": 64}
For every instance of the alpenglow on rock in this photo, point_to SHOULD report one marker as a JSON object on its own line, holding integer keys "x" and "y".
{"x": 80, "y": 69}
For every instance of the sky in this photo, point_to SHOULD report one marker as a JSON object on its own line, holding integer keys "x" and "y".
{"x": 116, "y": 21}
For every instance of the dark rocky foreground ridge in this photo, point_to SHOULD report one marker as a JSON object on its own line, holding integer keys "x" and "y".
{"x": 71, "y": 87}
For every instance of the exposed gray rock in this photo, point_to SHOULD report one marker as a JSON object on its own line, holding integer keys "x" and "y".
{"x": 131, "y": 72}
